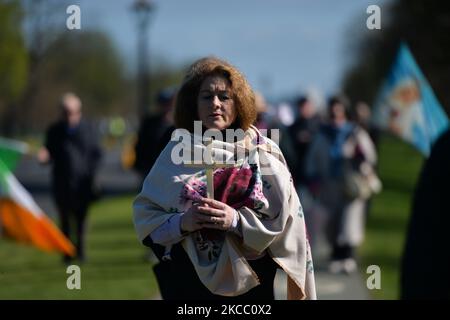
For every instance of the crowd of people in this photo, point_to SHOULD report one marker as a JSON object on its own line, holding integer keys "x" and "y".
{"x": 232, "y": 245}
{"x": 333, "y": 163}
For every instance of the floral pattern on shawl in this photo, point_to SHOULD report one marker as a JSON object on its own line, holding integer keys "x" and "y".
{"x": 237, "y": 187}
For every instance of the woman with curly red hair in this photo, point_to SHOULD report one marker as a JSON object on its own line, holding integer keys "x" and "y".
{"x": 231, "y": 245}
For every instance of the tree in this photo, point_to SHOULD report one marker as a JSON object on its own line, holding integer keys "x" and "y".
{"x": 85, "y": 62}
{"x": 13, "y": 63}
{"x": 425, "y": 26}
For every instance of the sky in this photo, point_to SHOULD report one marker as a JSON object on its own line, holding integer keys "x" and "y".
{"x": 284, "y": 47}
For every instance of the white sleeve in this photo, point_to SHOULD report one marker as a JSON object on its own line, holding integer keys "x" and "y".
{"x": 169, "y": 232}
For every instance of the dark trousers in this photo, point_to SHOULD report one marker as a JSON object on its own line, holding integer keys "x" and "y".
{"x": 73, "y": 197}
{"x": 333, "y": 229}
{"x": 178, "y": 280}
{"x": 72, "y": 211}
{"x": 340, "y": 252}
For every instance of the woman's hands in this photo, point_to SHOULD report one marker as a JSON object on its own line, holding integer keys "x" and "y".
{"x": 216, "y": 214}
{"x": 190, "y": 220}
{"x": 208, "y": 213}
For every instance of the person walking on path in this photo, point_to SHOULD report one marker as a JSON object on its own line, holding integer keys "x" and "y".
{"x": 72, "y": 148}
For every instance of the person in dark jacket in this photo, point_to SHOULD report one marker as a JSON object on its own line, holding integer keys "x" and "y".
{"x": 154, "y": 133}
{"x": 426, "y": 258}
{"x": 302, "y": 133}
{"x": 72, "y": 147}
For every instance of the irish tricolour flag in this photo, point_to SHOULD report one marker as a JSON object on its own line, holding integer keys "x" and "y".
{"x": 20, "y": 217}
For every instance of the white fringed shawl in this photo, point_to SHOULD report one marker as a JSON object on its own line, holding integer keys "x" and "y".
{"x": 278, "y": 228}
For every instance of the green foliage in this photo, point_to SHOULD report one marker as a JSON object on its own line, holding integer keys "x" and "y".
{"x": 399, "y": 167}
{"x": 56, "y": 60}
{"x": 116, "y": 268}
{"x": 425, "y": 28}
{"x": 88, "y": 63}
{"x": 13, "y": 54}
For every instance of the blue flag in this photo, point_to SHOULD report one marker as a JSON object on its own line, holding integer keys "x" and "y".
{"x": 407, "y": 106}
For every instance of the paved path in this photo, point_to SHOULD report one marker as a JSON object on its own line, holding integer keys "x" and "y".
{"x": 114, "y": 180}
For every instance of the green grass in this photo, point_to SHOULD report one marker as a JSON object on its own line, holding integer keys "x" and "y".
{"x": 399, "y": 168}
{"x": 116, "y": 268}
